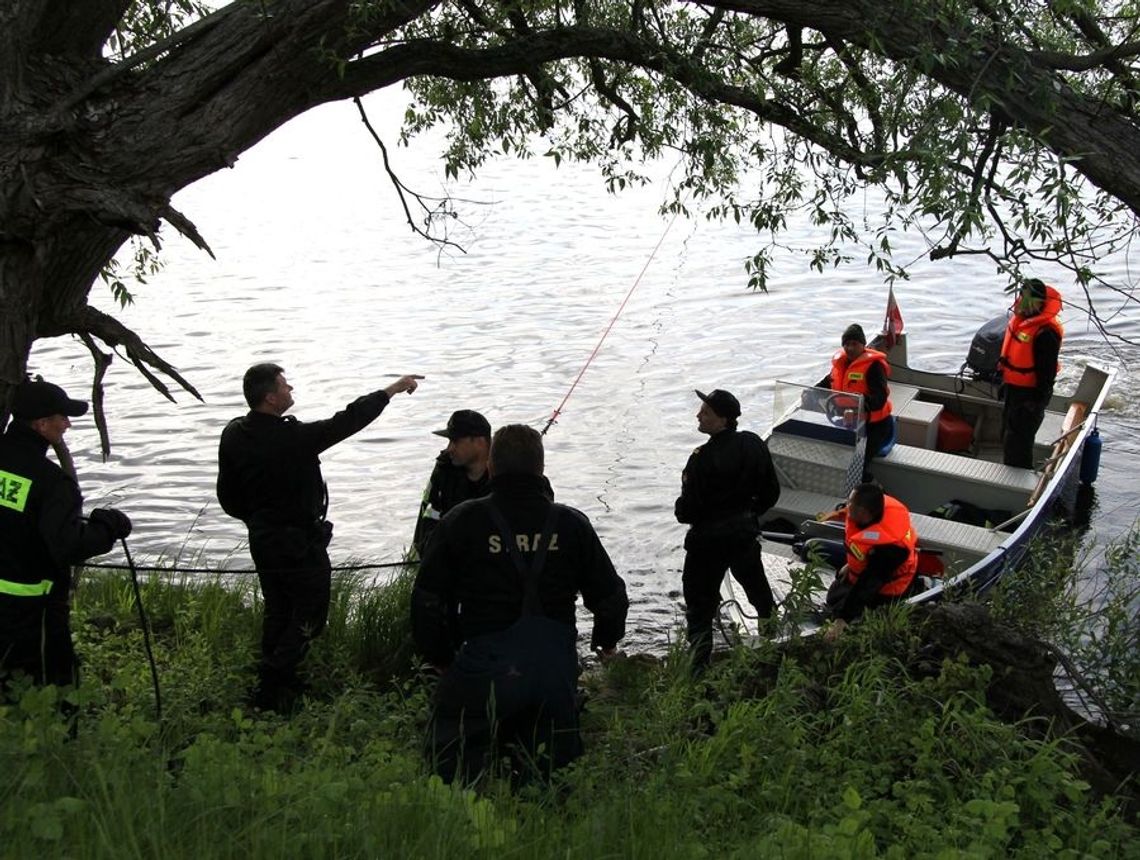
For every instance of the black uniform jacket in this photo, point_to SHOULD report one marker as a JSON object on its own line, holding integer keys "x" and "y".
{"x": 42, "y": 531}
{"x": 1046, "y": 349}
{"x": 447, "y": 487}
{"x": 468, "y": 579}
{"x": 269, "y": 466}
{"x": 727, "y": 484}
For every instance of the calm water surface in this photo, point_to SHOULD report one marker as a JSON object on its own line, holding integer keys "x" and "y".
{"x": 317, "y": 271}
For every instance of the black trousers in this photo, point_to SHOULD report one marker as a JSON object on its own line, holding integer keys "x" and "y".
{"x": 35, "y": 639}
{"x": 878, "y": 432}
{"x": 295, "y": 574}
{"x": 512, "y": 692}
{"x": 706, "y": 561}
{"x": 1021, "y": 417}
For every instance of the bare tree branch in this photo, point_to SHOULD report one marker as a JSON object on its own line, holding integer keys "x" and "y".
{"x": 101, "y": 360}
{"x": 401, "y": 188}
{"x": 114, "y": 333}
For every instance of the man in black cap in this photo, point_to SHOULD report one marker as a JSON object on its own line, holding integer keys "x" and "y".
{"x": 728, "y": 484}
{"x": 1029, "y": 367}
{"x": 43, "y": 533}
{"x": 460, "y": 471}
{"x": 860, "y": 370}
{"x": 269, "y": 477}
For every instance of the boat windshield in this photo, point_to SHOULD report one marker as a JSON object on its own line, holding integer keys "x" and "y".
{"x": 820, "y": 412}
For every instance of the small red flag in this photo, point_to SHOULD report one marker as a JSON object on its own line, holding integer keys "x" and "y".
{"x": 893, "y": 324}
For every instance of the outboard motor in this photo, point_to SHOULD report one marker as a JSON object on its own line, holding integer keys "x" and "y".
{"x": 982, "y": 359}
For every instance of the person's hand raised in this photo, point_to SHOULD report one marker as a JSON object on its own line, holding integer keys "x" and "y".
{"x": 407, "y": 383}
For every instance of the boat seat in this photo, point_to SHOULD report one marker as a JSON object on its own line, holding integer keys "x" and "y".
{"x": 947, "y": 535}
{"x": 902, "y": 395}
{"x": 962, "y": 468}
{"x": 924, "y": 479}
{"x": 798, "y": 505}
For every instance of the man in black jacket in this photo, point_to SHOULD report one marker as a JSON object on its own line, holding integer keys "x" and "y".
{"x": 43, "y": 533}
{"x": 727, "y": 484}
{"x": 460, "y": 471}
{"x": 501, "y": 575}
{"x": 269, "y": 477}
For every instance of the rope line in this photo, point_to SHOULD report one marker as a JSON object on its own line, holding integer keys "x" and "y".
{"x": 637, "y": 281}
{"x": 241, "y": 571}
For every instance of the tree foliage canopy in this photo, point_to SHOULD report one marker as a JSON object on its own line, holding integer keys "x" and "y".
{"x": 1001, "y": 127}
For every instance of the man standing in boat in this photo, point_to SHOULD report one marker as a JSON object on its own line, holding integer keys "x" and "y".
{"x": 269, "y": 477}
{"x": 727, "y": 485}
{"x": 1029, "y": 367}
{"x": 460, "y": 471}
{"x": 863, "y": 371}
{"x": 881, "y": 560}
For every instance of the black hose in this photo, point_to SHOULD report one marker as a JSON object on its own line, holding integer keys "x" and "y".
{"x": 145, "y": 629}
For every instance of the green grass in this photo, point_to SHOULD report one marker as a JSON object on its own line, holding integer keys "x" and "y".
{"x": 806, "y": 752}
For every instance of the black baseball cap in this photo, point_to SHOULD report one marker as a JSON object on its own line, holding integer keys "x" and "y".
{"x": 465, "y": 422}
{"x": 722, "y": 403}
{"x": 39, "y": 399}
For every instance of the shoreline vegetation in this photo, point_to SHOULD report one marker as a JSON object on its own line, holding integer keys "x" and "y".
{"x": 921, "y": 733}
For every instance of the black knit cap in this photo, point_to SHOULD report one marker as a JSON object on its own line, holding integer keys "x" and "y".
{"x": 722, "y": 403}
{"x": 853, "y": 332}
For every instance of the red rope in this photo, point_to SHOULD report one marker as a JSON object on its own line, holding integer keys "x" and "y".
{"x": 601, "y": 340}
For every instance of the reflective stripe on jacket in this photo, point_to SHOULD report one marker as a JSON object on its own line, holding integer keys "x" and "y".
{"x": 42, "y": 530}
{"x": 852, "y": 376}
{"x": 894, "y": 529}
{"x": 25, "y": 589}
{"x": 1016, "y": 362}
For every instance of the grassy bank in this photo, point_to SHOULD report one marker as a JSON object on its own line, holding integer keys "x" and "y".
{"x": 810, "y": 752}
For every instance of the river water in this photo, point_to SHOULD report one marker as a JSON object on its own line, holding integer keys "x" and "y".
{"x": 317, "y": 270}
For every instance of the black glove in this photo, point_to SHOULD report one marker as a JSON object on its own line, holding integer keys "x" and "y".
{"x": 116, "y": 522}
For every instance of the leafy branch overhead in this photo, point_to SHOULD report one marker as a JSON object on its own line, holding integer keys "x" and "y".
{"x": 1007, "y": 129}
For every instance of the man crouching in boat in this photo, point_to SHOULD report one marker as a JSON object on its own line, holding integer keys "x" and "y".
{"x": 727, "y": 485}
{"x": 882, "y": 557}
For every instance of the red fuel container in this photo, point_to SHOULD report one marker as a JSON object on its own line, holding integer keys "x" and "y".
{"x": 955, "y": 434}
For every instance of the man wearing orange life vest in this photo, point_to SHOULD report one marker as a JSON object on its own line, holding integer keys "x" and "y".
{"x": 1029, "y": 366}
{"x": 882, "y": 557}
{"x": 860, "y": 370}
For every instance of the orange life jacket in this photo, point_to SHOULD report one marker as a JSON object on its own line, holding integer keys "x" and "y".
{"x": 894, "y": 529}
{"x": 1016, "y": 360}
{"x": 852, "y": 376}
